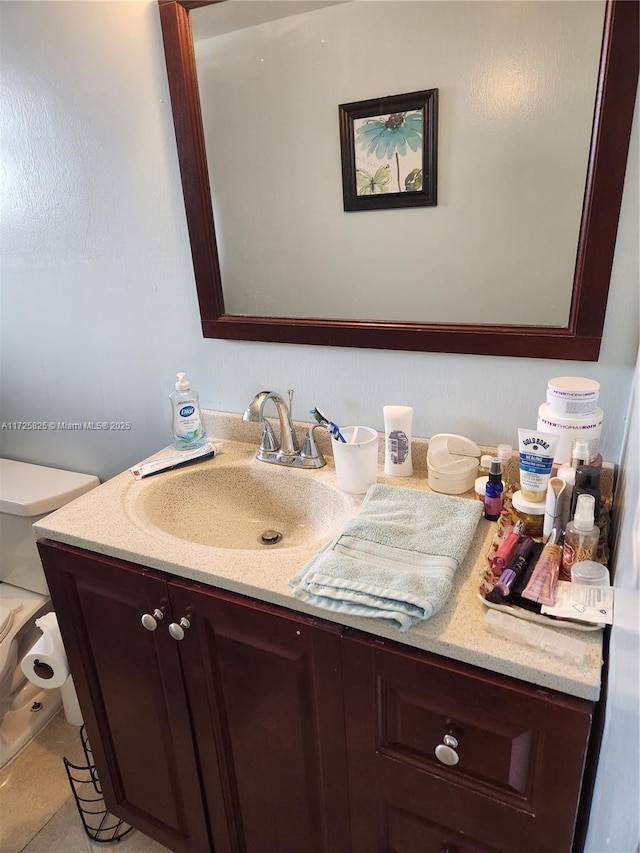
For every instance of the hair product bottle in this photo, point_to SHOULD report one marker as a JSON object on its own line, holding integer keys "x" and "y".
{"x": 581, "y": 536}
{"x": 493, "y": 492}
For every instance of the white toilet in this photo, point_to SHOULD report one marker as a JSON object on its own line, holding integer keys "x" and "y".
{"x": 27, "y": 493}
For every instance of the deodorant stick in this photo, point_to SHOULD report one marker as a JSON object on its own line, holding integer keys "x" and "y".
{"x": 398, "y": 421}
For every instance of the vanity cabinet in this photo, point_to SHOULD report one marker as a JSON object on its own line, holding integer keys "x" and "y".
{"x": 448, "y": 757}
{"x": 255, "y": 729}
{"x": 229, "y": 739}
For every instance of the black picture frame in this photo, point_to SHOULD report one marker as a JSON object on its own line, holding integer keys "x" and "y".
{"x": 374, "y": 136}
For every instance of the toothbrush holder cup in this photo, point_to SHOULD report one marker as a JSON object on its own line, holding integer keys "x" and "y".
{"x": 356, "y": 462}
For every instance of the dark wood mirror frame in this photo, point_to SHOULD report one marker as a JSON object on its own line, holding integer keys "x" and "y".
{"x": 580, "y": 340}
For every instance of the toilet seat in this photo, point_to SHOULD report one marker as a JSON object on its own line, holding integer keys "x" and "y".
{"x": 7, "y": 615}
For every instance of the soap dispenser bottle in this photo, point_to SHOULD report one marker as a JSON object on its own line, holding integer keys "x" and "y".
{"x": 188, "y": 431}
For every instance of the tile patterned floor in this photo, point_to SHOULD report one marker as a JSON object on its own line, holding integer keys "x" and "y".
{"x": 38, "y": 814}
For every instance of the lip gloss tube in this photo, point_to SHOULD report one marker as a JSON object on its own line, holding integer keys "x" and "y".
{"x": 515, "y": 568}
{"x": 505, "y": 551}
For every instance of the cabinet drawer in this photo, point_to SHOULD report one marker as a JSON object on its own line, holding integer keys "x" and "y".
{"x": 520, "y": 751}
{"x": 408, "y": 833}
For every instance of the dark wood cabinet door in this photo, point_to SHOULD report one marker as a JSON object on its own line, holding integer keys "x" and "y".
{"x": 265, "y": 691}
{"x": 519, "y": 754}
{"x": 130, "y": 688}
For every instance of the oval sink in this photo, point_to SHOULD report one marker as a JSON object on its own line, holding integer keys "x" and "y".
{"x": 236, "y": 506}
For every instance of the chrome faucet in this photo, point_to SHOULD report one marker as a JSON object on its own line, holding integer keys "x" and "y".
{"x": 287, "y": 450}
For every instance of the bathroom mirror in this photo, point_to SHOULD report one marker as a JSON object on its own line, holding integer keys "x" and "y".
{"x": 576, "y": 336}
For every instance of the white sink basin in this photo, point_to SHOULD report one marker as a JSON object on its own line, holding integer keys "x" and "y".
{"x": 232, "y": 506}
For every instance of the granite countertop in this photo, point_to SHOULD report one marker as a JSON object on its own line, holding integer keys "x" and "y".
{"x": 105, "y": 520}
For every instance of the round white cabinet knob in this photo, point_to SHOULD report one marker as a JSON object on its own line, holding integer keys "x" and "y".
{"x": 446, "y": 751}
{"x": 149, "y": 621}
{"x": 176, "y": 629}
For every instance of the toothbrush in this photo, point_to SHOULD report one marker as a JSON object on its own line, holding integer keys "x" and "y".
{"x": 332, "y": 428}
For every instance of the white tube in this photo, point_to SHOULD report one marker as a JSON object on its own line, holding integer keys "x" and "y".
{"x": 398, "y": 421}
{"x": 536, "y": 459}
{"x": 168, "y": 463}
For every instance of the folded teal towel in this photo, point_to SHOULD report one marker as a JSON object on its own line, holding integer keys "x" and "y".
{"x": 395, "y": 559}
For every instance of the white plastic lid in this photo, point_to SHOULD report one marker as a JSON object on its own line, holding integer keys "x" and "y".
{"x": 521, "y": 504}
{"x": 485, "y": 461}
{"x": 585, "y": 512}
{"x": 27, "y": 489}
{"x": 505, "y": 452}
{"x": 183, "y": 383}
{"x": 574, "y": 386}
{"x": 590, "y": 572}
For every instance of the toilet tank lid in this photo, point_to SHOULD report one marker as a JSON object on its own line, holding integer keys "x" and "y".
{"x": 27, "y": 489}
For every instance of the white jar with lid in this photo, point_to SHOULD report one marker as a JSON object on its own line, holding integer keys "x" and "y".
{"x": 572, "y": 395}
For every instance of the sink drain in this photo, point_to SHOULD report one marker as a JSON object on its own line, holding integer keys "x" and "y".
{"x": 270, "y": 537}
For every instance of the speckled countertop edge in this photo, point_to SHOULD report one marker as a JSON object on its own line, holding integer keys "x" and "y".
{"x": 104, "y": 520}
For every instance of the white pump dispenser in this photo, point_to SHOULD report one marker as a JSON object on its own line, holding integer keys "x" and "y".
{"x": 188, "y": 431}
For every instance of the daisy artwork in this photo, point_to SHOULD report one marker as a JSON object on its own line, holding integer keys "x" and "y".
{"x": 389, "y": 151}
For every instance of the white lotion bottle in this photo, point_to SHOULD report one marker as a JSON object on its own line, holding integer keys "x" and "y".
{"x": 398, "y": 421}
{"x": 188, "y": 431}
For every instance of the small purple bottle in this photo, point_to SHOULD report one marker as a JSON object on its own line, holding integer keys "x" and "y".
{"x": 493, "y": 492}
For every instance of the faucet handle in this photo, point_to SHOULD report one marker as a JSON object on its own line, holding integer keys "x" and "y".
{"x": 310, "y": 449}
{"x": 268, "y": 442}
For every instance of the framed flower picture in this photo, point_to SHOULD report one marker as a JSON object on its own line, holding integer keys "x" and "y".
{"x": 389, "y": 151}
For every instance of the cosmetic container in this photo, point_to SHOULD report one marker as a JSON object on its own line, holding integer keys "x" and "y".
{"x": 571, "y": 428}
{"x": 536, "y": 450}
{"x": 485, "y": 465}
{"x": 398, "y": 421}
{"x": 516, "y": 566}
{"x": 493, "y": 492}
{"x": 567, "y": 473}
{"x": 505, "y": 552}
{"x": 590, "y": 573}
{"x": 529, "y": 513}
{"x": 587, "y": 482}
{"x": 480, "y": 487}
{"x": 572, "y": 395}
{"x": 552, "y": 642}
{"x": 505, "y": 455}
{"x": 581, "y": 536}
{"x": 541, "y": 586}
{"x": 452, "y": 463}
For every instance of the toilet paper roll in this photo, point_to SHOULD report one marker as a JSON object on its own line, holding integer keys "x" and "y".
{"x": 45, "y": 664}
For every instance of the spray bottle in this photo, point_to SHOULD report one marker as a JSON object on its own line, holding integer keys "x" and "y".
{"x": 581, "y": 536}
{"x": 493, "y": 492}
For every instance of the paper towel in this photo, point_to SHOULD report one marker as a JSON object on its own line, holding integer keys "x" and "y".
{"x": 45, "y": 664}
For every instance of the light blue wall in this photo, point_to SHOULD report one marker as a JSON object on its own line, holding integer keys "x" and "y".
{"x": 98, "y": 297}
{"x": 99, "y": 311}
